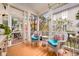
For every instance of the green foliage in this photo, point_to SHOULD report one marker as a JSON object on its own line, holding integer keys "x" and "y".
{"x": 6, "y": 28}
{"x": 42, "y": 18}
{"x": 60, "y": 22}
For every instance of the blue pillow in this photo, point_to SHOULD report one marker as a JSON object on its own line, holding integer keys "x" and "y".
{"x": 53, "y": 42}
{"x": 35, "y": 37}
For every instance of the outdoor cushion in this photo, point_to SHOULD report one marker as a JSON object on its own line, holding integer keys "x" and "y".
{"x": 53, "y": 42}
{"x": 35, "y": 37}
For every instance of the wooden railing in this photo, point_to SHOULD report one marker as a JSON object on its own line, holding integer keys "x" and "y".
{"x": 72, "y": 44}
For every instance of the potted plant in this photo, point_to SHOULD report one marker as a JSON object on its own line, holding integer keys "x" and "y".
{"x": 7, "y": 32}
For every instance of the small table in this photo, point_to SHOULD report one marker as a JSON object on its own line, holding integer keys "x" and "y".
{"x": 44, "y": 41}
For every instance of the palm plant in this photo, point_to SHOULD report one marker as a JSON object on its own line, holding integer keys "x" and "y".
{"x": 43, "y": 21}
{"x": 60, "y": 22}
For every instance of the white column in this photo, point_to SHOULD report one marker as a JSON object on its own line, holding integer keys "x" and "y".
{"x": 38, "y": 24}
{"x": 9, "y": 17}
{"x": 24, "y": 32}
{"x": 50, "y": 24}
{"x": 0, "y": 19}
{"x": 9, "y": 21}
{"x": 26, "y": 35}
{"x": 29, "y": 27}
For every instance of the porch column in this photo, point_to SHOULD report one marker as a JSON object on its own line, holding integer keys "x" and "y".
{"x": 50, "y": 24}
{"x": 9, "y": 17}
{"x": 29, "y": 26}
{"x": 0, "y": 18}
{"x": 9, "y": 21}
{"x": 38, "y": 24}
{"x": 24, "y": 32}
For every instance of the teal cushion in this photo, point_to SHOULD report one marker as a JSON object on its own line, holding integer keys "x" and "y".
{"x": 53, "y": 42}
{"x": 35, "y": 37}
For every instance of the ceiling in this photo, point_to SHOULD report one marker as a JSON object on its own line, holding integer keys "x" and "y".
{"x": 38, "y": 8}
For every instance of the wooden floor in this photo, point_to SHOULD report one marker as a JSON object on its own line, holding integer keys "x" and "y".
{"x": 23, "y": 49}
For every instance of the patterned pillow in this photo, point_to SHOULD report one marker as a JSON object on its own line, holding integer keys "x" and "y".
{"x": 58, "y": 37}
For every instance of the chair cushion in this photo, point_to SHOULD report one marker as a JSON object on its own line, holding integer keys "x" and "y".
{"x": 53, "y": 42}
{"x": 35, "y": 37}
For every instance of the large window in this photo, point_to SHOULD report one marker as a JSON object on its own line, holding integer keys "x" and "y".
{"x": 33, "y": 22}
{"x": 65, "y": 15}
{"x": 14, "y": 22}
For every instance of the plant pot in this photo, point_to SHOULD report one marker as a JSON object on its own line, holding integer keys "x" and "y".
{"x": 9, "y": 43}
